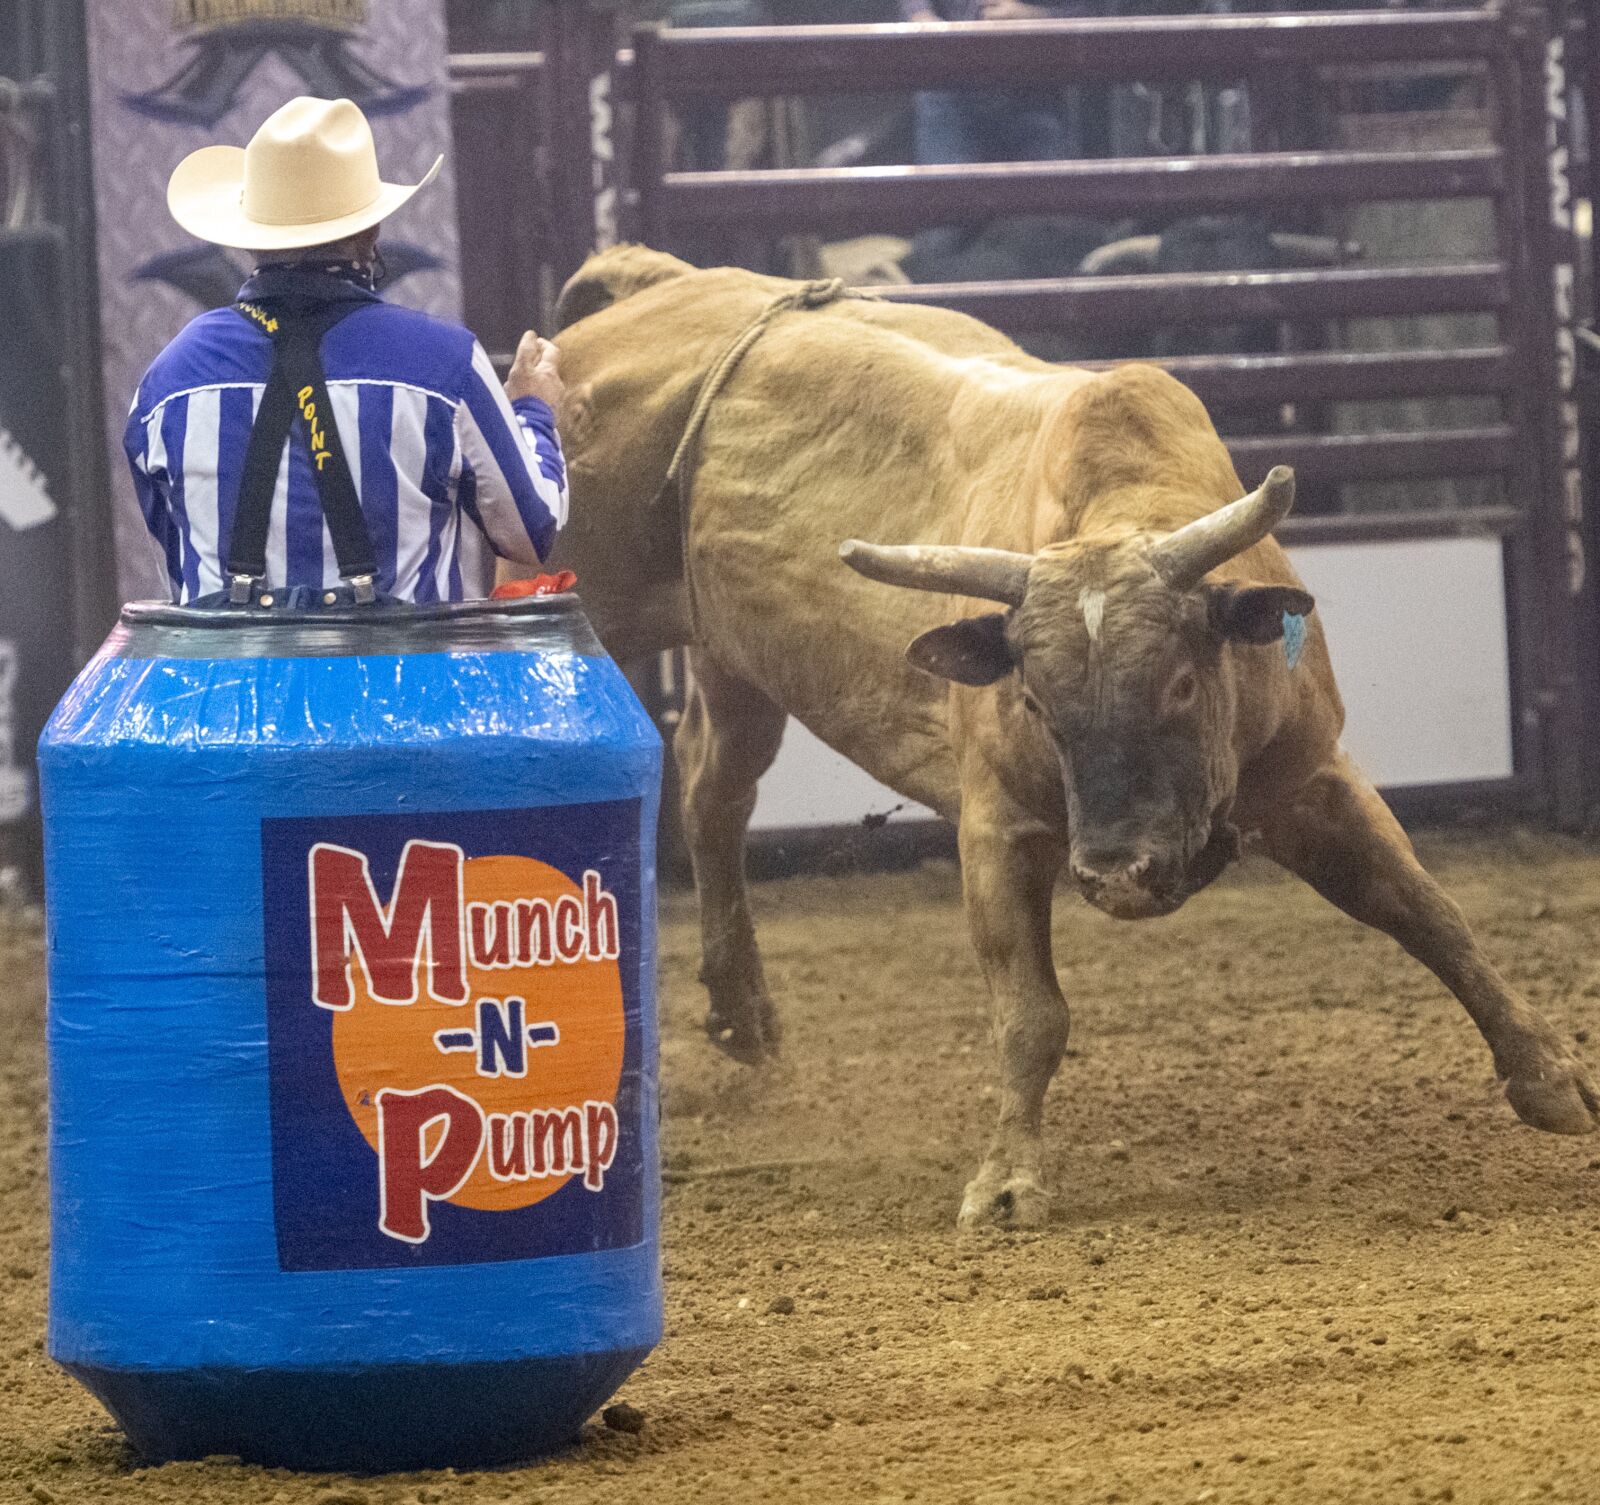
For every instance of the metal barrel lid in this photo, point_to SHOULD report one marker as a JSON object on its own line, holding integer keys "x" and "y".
{"x": 518, "y": 624}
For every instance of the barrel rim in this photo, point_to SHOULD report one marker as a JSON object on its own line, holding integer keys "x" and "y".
{"x": 517, "y": 624}
{"x": 168, "y": 614}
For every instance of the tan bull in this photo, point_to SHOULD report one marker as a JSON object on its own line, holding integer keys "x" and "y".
{"x": 1083, "y": 664}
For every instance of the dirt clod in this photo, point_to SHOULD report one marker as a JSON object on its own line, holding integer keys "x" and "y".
{"x": 622, "y": 1417}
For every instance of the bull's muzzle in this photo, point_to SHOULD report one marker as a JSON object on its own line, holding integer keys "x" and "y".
{"x": 1142, "y": 886}
{"x": 1129, "y": 889}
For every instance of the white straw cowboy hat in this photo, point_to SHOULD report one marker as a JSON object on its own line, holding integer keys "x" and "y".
{"x": 308, "y": 176}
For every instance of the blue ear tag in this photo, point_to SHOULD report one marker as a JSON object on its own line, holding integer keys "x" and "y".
{"x": 1294, "y": 637}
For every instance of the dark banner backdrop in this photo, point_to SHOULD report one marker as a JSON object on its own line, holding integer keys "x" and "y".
{"x": 35, "y": 645}
{"x": 168, "y": 76}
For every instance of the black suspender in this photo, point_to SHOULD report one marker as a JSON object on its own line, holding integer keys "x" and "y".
{"x": 297, "y": 388}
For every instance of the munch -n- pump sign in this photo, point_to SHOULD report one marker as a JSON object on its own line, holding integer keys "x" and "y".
{"x": 453, "y": 1028}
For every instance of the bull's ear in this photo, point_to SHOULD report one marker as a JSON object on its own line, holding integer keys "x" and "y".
{"x": 1254, "y": 613}
{"x": 971, "y": 652}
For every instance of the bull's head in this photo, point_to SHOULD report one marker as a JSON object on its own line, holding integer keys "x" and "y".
{"x": 1120, "y": 647}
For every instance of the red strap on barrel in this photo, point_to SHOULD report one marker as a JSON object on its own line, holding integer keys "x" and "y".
{"x": 539, "y": 585}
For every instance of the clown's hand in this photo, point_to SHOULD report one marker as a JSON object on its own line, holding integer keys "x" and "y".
{"x": 536, "y": 370}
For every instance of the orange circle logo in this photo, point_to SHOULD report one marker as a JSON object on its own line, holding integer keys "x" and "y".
{"x": 535, "y": 1048}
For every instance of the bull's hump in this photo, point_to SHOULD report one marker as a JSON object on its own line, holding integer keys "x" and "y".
{"x": 996, "y": 375}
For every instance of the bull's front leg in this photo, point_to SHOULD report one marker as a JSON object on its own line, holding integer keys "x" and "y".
{"x": 1008, "y": 873}
{"x": 1341, "y": 838}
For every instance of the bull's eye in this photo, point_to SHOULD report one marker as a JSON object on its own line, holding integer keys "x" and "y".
{"x": 1030, "y": 702}
{"x": 1182, "y": 691}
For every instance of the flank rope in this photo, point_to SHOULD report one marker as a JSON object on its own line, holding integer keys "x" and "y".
{"x": 810, "y": 295}
{"x": 816, "y": 294}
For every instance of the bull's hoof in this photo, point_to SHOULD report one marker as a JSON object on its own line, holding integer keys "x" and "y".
{"x": 744, "y": 1042}
{"x": 1558, "y": 1097}
{"x": 743, "y": 1025}
{"x": 997, "y": 1200}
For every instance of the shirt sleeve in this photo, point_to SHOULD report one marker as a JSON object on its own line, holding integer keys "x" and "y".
{"x": 518, "y": 488}
{"x": 152, "y": 497}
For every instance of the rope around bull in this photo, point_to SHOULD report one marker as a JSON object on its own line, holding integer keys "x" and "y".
{"x": 816, "y": 294}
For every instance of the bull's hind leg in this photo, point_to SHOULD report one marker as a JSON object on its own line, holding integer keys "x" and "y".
{"x": 1341, "y": 838}
{"x": 727, "y": 739}
{"x": 1008, "y": 878}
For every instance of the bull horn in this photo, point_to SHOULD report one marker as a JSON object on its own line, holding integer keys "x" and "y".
{"x": 1135, "y": 253}
{"x": 1184, "y": 557}
{"x": 989, "y": 574}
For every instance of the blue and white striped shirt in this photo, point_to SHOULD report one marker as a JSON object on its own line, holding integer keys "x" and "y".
{"x": 450, "y": 473}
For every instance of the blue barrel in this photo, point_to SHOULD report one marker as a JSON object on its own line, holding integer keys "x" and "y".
{"x": 352, "y": 1031}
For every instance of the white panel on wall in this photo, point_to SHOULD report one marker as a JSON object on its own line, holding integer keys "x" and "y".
{"x": 812, "y": 785}
{"x": 1418, "y": 635}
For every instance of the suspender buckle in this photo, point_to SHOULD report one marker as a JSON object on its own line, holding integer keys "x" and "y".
{"x": 365, "y": 588}
{"x": 242, "y": 589}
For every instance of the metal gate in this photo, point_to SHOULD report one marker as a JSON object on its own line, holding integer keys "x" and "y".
{"x": 560, "y": 152}
{"x": 599, "y": 174}
{"x": 535, "y": 127}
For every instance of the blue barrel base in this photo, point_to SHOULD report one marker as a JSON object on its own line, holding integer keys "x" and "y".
{"x": 387, "y": 1419}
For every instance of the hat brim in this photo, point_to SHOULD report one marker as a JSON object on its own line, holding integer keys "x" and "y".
{"x": 206, "y": 197}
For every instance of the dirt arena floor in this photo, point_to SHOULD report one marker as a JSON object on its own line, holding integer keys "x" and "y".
{"x": 1302, "y": 1252}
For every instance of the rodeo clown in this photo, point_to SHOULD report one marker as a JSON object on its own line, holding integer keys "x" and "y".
{"x": 312, "y": 445}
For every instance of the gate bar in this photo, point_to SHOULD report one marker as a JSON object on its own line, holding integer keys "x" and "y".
{"x": 1338, "y": 375}
{"x": 867, "y": 199}
{"x": 1096, "y": 303}
{"x": 1337, "y": 458}
{"x": 493, "y": 69}
{"x": 736, "y": 62}
{"x": 1393, "y": 527}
